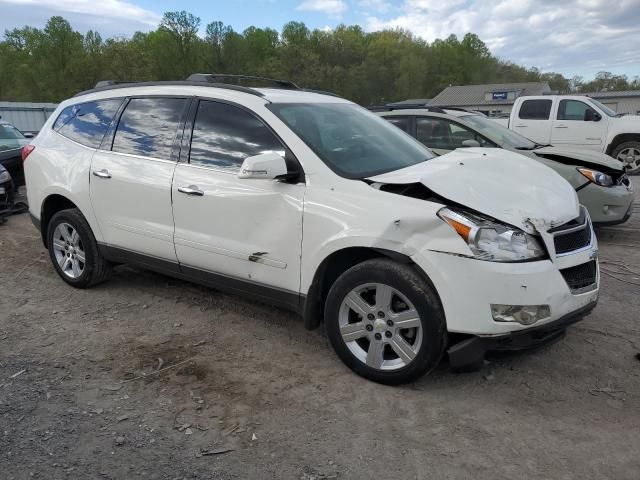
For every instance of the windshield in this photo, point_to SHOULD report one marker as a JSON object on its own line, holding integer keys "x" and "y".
{"x": 498, "y": 133}
{"x": 10, "y": 138}
{"x": 352, "y": 141}
{"x": 604, "y": 108}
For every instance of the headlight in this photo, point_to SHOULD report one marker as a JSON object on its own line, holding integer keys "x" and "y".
{"x": 597, "y": 177}
{"x": 4, "y": 176}
{"x": 493, "y": 241}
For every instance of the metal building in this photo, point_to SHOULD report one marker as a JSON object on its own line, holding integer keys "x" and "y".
{"x": 498, "y": 98}
{"x": 26, "y": 116}
{"x": 627, "y": 101}
{"x": 490, "y": 99}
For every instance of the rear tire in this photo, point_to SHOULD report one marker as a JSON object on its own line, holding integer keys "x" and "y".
{"x": 629, "y": 154}
{"x": 74, "y": 251}
{"x": 385, "y": 322}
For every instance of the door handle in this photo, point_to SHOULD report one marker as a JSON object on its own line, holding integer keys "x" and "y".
{"x": 102, "y": 173}
{"x": 561, "y": 126}
{"x": 521, "y": 126}
{"x": 191, "y": 190}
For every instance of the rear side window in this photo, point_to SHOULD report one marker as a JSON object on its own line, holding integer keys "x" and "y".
{"x": 442, "y": 134}
{"x": 403, "y": 123}
{"x": 148, "y": 127}
{"x": 535, "y": 110}
{"x": 224, "y": 135}
{"x": 86, "y": 123}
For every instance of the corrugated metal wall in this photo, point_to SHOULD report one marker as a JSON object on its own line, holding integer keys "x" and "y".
{"x": 26, "y": 116}
{"x": 630, "y": 105}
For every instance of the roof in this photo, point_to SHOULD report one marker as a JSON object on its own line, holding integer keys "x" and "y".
{"x": 485, "y": 94}
{"x": 619, "y": 94}
{"x": 26, "y": 116}
{"x": 240, "y": 95}
{"x": 27, "y": 105}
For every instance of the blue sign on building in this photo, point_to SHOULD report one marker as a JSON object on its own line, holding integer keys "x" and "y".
{"x": 499, "y": 95}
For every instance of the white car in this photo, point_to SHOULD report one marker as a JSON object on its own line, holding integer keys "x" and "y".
{"x": 308, "y": 201}
{"x": 576, "y": 121}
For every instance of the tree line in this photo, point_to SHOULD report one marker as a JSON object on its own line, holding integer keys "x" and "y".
{"x": 56, "y": 62}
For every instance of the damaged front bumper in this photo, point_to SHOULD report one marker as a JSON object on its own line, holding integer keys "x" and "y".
{"x": 469, "y": 354}
{"x": 607, "y": 205}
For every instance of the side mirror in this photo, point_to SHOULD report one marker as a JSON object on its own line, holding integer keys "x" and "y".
{"x": 592, "y": 116}
{"x": 28, "y": 135}
{"x": 470, "y": 143}
{"x": 266, "y": 166}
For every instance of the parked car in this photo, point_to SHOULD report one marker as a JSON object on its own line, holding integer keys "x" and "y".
{"x": 600, "y": 181}
{"x": 308, "y": 201}
{"x": 11, "y": 143}
{"x": 7, "y": 194}
{"x": 578, "y": 122}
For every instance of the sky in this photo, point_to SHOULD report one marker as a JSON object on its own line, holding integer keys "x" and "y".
{"x": 573, "y": 37}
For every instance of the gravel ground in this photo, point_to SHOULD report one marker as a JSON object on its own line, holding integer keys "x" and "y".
{"x": 249, "y": 393}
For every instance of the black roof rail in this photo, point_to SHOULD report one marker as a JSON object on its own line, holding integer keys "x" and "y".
{"x": 205, "y": 80}
{"x": 111, "y": 85}
{"x": 458, "y": 109}
{"x": 407, "y": 106}
{"x": 221, "y": 77}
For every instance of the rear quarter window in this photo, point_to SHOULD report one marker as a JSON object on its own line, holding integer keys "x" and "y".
{"x": 535, "y": 110}
{"x": 86, "y": 123}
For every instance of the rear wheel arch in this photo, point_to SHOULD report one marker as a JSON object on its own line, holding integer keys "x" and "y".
{"x": 335, "y": 265}
{"x": 50, "y": 206}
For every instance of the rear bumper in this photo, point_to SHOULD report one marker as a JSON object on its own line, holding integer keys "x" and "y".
{"x": 469, "y": 354}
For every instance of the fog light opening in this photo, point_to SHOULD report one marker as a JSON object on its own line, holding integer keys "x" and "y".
{"x": 522, "y": 314}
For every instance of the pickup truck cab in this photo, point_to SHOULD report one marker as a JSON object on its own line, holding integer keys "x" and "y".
{"x": 578, "y": 122}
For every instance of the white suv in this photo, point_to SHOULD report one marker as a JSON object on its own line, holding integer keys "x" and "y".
{"x": 310, "y": 202}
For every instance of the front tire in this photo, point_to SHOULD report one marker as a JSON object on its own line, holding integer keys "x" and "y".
{"x": 629, "y": 154}
{"x": 385, "y": 322}
{"x": 74, "y": 251}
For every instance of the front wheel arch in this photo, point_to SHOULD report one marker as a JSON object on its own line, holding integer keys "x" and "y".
{"x": 335, "y": 265}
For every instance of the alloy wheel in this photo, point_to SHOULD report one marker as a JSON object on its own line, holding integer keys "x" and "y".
{"x": 69, "y": 251}
{"x": 630, "y": 158}
{"x": 380, "y": 326}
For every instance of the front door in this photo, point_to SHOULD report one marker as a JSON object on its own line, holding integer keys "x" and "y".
{"x": 231, "y": 230}
{"x": 576, "y": 125}
{"x": 130, "y": 181}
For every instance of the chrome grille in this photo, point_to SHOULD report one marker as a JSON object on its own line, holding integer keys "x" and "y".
{"x": 581, "y": 278}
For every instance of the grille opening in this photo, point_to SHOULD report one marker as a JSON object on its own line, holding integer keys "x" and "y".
{"x": 580, "y": 277}
{"x": 569, "y": 242}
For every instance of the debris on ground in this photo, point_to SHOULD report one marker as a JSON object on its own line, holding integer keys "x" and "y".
{"x": 213, "y": 451}
{"x": 18, "y": 373}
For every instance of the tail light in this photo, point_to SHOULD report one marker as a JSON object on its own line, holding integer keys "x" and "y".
{"x": 26, "y": 150}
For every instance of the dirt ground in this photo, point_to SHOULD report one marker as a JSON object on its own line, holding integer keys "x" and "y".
{"x": 248, "y": 378}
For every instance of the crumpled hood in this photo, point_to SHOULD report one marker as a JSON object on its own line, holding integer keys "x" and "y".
{"x": 502, "y": 184}
{"x": 589, "y": 156}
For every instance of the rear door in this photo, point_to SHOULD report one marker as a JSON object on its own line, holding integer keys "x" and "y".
{"x": 238, "y": 232}
{"x": 533, "y": 119}
{"x": 575, "y": 124}
{"x": 131, "y": 176}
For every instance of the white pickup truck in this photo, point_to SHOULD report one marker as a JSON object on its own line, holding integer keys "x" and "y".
{"x": 580, "y": 122}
